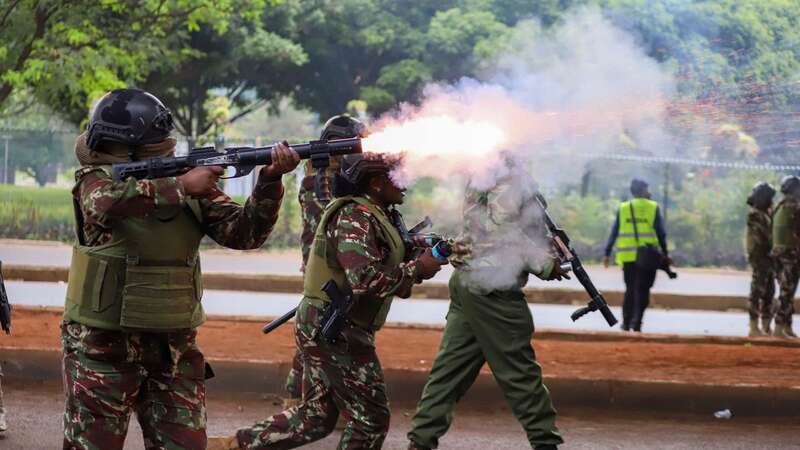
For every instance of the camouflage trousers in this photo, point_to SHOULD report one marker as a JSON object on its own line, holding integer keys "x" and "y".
{"x": 762, "y": 289}
{"x": 788, "y": 272}
{"x": 294, "y": 381}
{"x": 109, "y": 374}
{"x": 345, "y": 378}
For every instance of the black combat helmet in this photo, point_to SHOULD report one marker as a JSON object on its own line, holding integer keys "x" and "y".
{"x": 341, "y": 127}
{"x": 790, "y": 185}
{"x": 129, "y": 116}
{"x": 356, "y": 170}
{"x": 761, "y": 196}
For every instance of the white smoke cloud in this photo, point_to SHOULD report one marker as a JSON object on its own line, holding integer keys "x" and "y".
{"x": 553, "y": 95}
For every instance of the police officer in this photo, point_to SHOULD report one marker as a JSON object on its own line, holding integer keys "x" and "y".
{"x": 134, "y": 290}
{"x": 356, "y": 245}
{"x": 786, "y": 251}
{"x": 314, "y": 195}
{"x": 648, "y": 229}
{"x": 759, "y": 244}
{"x": 488, "y": 319}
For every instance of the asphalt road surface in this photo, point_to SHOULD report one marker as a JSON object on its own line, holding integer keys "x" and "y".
{"x": 690, "y": 281}
{"x": 35, "y": 423}
{"x": 419, "y": 311}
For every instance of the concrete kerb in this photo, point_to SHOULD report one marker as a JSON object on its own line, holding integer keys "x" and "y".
{"x": 405, "y": 386}
{"x": 294, "y": 283}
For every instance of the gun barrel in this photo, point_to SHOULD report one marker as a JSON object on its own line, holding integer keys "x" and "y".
{"x": 270, "y": 327}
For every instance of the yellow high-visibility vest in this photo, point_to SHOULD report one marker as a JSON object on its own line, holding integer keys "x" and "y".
{"x": 644, "y": 211}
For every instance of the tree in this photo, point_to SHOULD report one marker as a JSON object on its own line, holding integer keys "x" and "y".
{"x": 68, "y": 52}
{"x": 245, "y": 67}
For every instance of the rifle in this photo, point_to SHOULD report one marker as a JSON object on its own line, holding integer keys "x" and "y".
{"x": 5, "y": 307}
{"x": 568, "y": 255}
{"x": 244, "y": 159}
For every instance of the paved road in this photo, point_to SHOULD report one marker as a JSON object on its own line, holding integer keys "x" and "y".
{"x": 418, "y": 311}
{"x": 35, "y": 423}
{"x": 691, "y": 281}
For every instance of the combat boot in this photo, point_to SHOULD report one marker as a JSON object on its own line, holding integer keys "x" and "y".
{"x": 223, "y": 443}
{"x": 754, "y": 330}
{"x": 765, "y": 325}
{"x": 3, "y": 423}
{"x": 784, "y": 331}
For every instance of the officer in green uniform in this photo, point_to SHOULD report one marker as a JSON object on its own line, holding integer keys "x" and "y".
{"x": 759, "y": 244}
{"x": 648, "y": 229}
{"x": 134, "y": 289}
{"x": 786, "y": 251}
{"x": 488, "y": 320}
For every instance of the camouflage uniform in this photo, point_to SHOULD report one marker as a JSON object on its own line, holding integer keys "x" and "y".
{"x": 345, "y": 377}
{"x": 759, "y": 243}
{"x": 489, "y": 321}
{"x": 787, "y": 261}
{"x": 108, "y": 374}
{"x": 311, "y": 207}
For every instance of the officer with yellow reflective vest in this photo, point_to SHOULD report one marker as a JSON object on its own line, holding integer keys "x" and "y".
{"x": 638, "y": 223}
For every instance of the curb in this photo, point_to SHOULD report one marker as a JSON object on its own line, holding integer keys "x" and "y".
{"x": 405, "y": 387}
{"x": 292, "y": 284}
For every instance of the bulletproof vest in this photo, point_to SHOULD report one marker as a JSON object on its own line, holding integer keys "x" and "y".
{"x": 643, "y": 211}
{"x": 323, "y": 266}
{"x": 147, "y": 278}
{"x": 784, "y": 225}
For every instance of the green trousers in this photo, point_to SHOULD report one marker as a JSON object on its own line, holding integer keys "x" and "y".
{"x": 494, "y": 327}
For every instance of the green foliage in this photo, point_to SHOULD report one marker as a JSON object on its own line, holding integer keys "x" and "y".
{"x": 36, "y": 213}
{"x": 67, "y": 53}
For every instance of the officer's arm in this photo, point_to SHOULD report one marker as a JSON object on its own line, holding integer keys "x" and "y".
{"x": 361, "y": 255}
{"x": 103, "y": 200}
{"x": 661, "y": 232}
{"x": 612, "y": 238}
{"x": 243, "y": 227}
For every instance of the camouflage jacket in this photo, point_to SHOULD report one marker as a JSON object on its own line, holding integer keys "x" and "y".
{"x": 103, "y": 201}
{"x": 353, "y": 232}
{"x": 759, "y": 231}
{"x": 502, "y": 229}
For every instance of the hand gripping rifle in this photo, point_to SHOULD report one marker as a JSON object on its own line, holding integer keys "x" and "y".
{"x": 5, "y": 307}
{"x": 244, "y": 159}
{"x": 568, "y": 255}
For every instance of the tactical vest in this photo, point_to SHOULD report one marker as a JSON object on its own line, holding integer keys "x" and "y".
{"x": 323, "y": 266}
{"x": 644, "y": 211}
{"x": 784, "y": 226}
{"x": 146, "y": 279}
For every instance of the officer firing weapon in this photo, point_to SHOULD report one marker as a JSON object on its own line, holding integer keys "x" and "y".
{"x": 568, "y": 255}
{"x": 243, "y": 159}
{"x": 5, "y": 307}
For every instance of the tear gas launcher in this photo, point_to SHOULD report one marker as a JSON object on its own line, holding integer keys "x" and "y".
{"x": 568, "y": 256}
{"x": 243, "y": 159}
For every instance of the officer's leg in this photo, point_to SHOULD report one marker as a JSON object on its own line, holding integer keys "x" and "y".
{"x": 768, "y": 298}
{"x": 629, "y": 276}
{"x": 455, "y": 368}
{"x": 315, "y": 416}
{"x": 100, "y": 386}
{"x": 787, "y": 279}
{"x": 503, "y": 326}
{"x": 172, "y": 404}
{"x": 294, "y": 379}
{"x": 359, "y": 392}
{"x": 757, "y": 286}
{"x": 643, "y": 283}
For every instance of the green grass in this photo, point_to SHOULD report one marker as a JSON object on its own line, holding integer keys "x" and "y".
{"x": 36, "y": 213}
